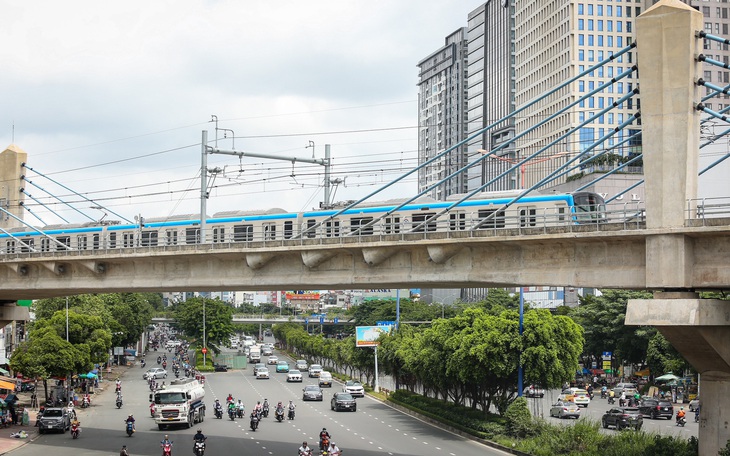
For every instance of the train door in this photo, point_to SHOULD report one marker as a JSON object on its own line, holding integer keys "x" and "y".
{"x": 457, "y": 221}
{"x": 528, "y": 216}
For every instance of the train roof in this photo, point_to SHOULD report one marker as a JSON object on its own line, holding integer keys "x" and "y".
{"x": 273, "y": 210}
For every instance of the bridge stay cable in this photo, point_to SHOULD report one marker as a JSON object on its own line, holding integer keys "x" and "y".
{"x": 25, "y": 165}
{"x": 25, "y": 179}
{"x": 354, "y": 204}
{"x": 25, "y": 206}
{"x": 41, "y": 232}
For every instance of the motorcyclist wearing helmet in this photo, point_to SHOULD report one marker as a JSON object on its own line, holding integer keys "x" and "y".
{"x": 130, "y": 419}
{"x": 199, "y": 437}
{"x": 333, "y": 450}
{"x": 680, "y": 414}
{"x": 304, "y": 450}
{"x": 324, "y": 438}
{"x": 166, "y": 441}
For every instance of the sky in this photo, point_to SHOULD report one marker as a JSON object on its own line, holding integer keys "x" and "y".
{"x": 109, "y": 99}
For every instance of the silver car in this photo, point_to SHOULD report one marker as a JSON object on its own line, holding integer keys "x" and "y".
{"x": 155, "y": 372}
{"x": 565, "y": 409}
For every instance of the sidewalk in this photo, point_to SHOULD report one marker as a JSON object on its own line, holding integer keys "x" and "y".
{"x": 8, "y": 443}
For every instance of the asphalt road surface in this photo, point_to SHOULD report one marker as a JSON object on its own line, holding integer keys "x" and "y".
{"x": 374, "y": 429}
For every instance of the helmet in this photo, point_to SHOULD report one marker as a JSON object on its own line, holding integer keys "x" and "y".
{"x": 200, "y": 430}
{"x": 258, "y": 402}
{"x": 324, "y": 429}
{"x": 165, "y": 436}
{"x": 333, "y": 444}
{"x": 681, "y": 408}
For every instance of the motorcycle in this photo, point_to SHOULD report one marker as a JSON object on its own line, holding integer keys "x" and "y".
{"x": 75, "y": 430}
{"x": 130, "y": 428}
{"x": 611, "y": 400}
{"x": 167, "y": 449}
{"x": 324, "y": 443}
{"x": 159, "y": 360}
{"x": 164, "y": 364}
{"x": 152, "y": 410}
{"x": 85, "y": 402}
{"x": 218, "y": 413}
{"x": 603, "y": 394}
{"x": 142, "y": 364}
{"x": 681, "y": 421}
{"x": 265, "y": 411}
{"x": 291, "y": 414}
{"x": 119, "y": 402}
{"x": 279, "y": 415}
{"x": 239, "y": 412}
{"x": 231, "y": 414}
{"x": 199, "y": 448}
{"x": 254, "y": 422}
{"x": 177, "y": 374}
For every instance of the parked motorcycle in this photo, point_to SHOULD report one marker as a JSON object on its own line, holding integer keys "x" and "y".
{"x": 75, "y": 430}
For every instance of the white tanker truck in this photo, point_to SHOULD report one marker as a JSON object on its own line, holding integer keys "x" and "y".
{"x": 181, "y": 403}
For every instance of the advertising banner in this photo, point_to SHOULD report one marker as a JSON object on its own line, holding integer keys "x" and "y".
{"x": 367, "y": 336}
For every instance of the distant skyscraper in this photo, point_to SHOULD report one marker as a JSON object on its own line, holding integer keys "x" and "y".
{"x": 491, "y": 92}
{"x": 441, "y": 116}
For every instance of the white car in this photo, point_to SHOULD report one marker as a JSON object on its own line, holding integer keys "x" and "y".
{"x": 315, "y": 370}
{"x": 262, "y": 372}
{"x": 294, "y": 376}
{"x": 355, "y": 388}
{"x": 272, "y": 360}
{"x": 302, "y": 365}
{"x": 155, "y": 372}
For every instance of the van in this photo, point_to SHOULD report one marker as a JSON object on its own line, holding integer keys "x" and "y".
{"x": 254, "y": 355}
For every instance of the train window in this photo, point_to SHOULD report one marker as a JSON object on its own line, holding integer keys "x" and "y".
{"x": 81, "y": 242}
{"x": 28, "y": 245}
{"x": 358, "y": 222}
{"x": 589, "y": 207}
{"x": 288, "y": 229}
{"x": 528, "y": 215}
{"x": 219, "y": 234}
{"x": 457, "y": 221}
{"x": 65, "y": 240}
{"x": 311, "y": 231}
{"x": 171, "y": 237}
{"x": 496, "y": 220}
{"x": 95, "y": 242}
{"x": 392, "y": 225}
{"x": 149, "y": 238}
{"x": 269, "y": 231}
{"x": 242, "y": 233}
{"x": 112, "y": 240}
{"x": 192, "y": 235}
{"x": 332, "y": 228}
{"x": 561, "y": 213}
{"x": 418, "y": 219}
{"x": 128, "y": 239}
{"x": 10, "y": 247}
{"x": 45, "y": 245}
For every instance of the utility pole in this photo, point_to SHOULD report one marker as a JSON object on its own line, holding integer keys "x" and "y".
{"x": 203, "y": 184}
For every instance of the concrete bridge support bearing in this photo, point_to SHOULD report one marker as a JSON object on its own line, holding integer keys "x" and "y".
{"x": 700, "y": 330}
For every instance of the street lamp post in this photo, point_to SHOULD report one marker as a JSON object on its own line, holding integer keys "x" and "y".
{"x": 205, "y": 347}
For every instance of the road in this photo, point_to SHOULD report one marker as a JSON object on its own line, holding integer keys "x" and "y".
{"x": 598, "y": 406}
{"x": 375, "y": 429}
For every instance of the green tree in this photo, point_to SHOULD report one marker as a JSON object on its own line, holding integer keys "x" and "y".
{"x": 218, "y": 321}
{"x": 87, "y": 333}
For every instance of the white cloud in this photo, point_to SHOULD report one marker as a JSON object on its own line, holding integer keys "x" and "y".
{"x": 87, "y": 83}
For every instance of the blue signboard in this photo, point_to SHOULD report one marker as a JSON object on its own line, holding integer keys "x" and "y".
{"x": 306, "y": 321}
{"x": 321, "y": 320}
{"x": 336, "y": 320}
{"x": 385, "y": 323}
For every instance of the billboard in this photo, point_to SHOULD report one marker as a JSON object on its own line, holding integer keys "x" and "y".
{"x": 367, "y": 336}
{"x": 297, "y": 295}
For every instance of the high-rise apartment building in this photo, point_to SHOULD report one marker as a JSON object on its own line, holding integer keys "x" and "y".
{"x": 555, "y": 40}
{"x": 441, "y": 116}
{"x": 491, "y": 93}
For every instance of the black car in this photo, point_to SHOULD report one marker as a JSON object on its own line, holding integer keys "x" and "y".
{"x": 657, "y": 408}
{"x": 220, "y": 367}
{"x": 622, "y": 418}
{"x": 312, "y": 393}
{"x": 343, "y": 401}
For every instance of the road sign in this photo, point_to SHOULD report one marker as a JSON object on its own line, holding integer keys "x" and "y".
{"x": 204, "y": 350}
{"x": 385, "y": 323}
{"x": 607, "y": 356}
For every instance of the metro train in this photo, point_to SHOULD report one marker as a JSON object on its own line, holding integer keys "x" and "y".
{"x": 370, "y": 218}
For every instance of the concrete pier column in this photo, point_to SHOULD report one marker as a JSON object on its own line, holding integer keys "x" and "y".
{"x": 698, "y": 329}
{"x": 10, "y": 184}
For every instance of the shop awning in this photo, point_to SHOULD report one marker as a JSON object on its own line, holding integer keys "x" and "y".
{"x": 7, "y": 385}
{"x": 4, "y": 372}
